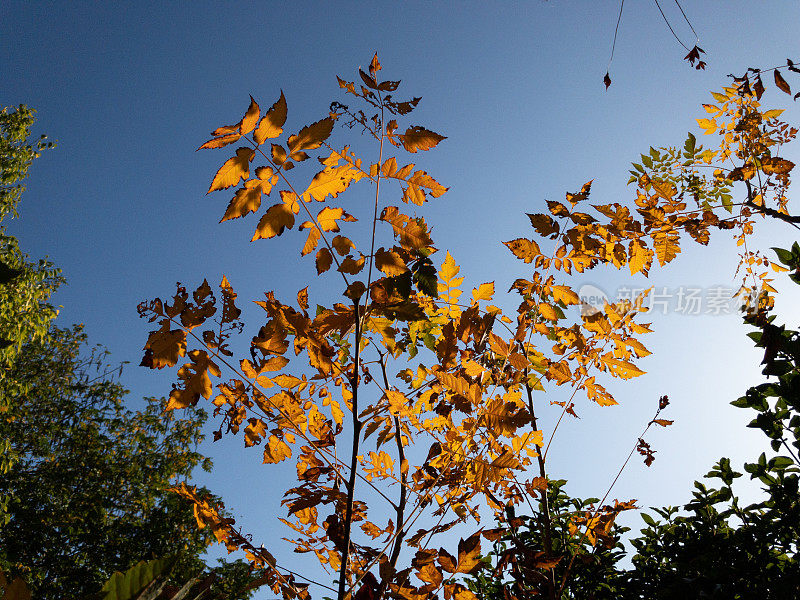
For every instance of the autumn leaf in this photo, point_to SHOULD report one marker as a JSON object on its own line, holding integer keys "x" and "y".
{"x": 221, "y": 142}
{"x": 484, "y": 291}
{"x": 311, "y": 136}
{"x": 327, "y": 218}
{"x": 276, "y": 450}
{"x": 390, "y": 262}
{"x": 469, "y": 552}
{"x": 563, "y": 293}
{"x": 525, "y": 249}
{"x": 196, "y": 381}
{"x": 607, "y": 80}
{"x": 248, "y": 198}
{"x": 666, "y": 244}
{"x": 250, "y": 118}
{"x": 324, "y": 260}
{"x": 277, "y": 218}
{"x": 233, "y": 170}
{"x": 780, "y": 82}
{"x": 419, "y": 138}
{"x": 164, "y": 347}
{"x": 271, "y": 126}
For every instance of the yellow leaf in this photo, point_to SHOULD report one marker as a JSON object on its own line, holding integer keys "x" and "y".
{"x": 342, "y": 245}
{"x": 351, "y": 266}
{"x": 621, "y": 368}
{"x": 390, "y": 262}
{"x": 220, "y": 142}
{"x": 665, "y": 189}
{"x": 330, "y": 182}
{"x": 233, "y": 170}
{"x": 525, "y": 249}
{"x": 639, "y": 257}
{"x": 449, "y": 269}
{"x": 563, "y": 293}
{"x": 276, "y": 450}
{"x": 772, "y": 114}
{"x": 254, "y": 432}
{"x": 275, "y": 220}
{"x": 547, "y": 311}
{"x": 708, "y": 125}
{"x": 312, "y": 240}
{"x": 719, "y": 97}
{"x": 271, "y": 126}
{"x": 245, "y": 201}
{"x": 666, "y": 245}
{"x": 164, "y": 347}
{"x": 196, "y": 381}
{"x": 484, "y": 291}
{"x": 328, "y": 216}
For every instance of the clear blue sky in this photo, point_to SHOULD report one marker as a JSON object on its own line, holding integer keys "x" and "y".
{"x": 120, "y": 205}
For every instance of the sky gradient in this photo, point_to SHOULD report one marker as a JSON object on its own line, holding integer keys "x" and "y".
{"x": 516, "y": 87}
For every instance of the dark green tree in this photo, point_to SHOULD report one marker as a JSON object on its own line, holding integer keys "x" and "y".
{"x": 84, "y": 481}
{"x": 89, "y": 489}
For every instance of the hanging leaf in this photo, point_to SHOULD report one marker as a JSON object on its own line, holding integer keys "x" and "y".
{"x": 780, "y": 82}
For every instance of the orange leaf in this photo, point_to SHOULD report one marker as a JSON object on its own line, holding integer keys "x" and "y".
{"x": 250, "y": 118}
{"x": 324, "y": 260}
{"x": 327, "y": 217}
{"x": 312, "y": 240}
{"x": 164, "y": 347}
{"x": 233, "y": 170}
{"x": 469, "y": 551}
{"x": 419, "y": 138}
{"x": 527, "y": 250}
{"x": 275, "y": 220}
{"x": 276, "y": 450}
{"x": 311, "y": 136}
{"x": 390, "y": 262}
{"x": 195, "y": 380}
{"x": 271, "y": 126}
{"x": 342, "y": 245}
{"x": 220, "y": 142}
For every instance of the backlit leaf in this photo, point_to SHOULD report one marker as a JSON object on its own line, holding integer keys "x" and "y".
{"x": 419, "y": 138}
{"x": 250, "y": 118}
{"x": 271, "y": 125}
{"x": 277, "y": 218}
{"x": 233, "y": 170}
{"x": 324, "y": 260}
{"x": 311, "y": 136}
{"x": 525, "y": 249}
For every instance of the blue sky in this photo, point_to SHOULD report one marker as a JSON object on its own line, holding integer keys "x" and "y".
{"x": 120, "y": 205}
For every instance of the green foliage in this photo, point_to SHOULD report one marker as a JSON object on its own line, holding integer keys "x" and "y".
{"x": 89, "y": 491}
{"x": 133, "y": 582}
{"x": 587, "y": 561}
{"x": 25, "y": 286}
{"x": 16, "y": 155}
